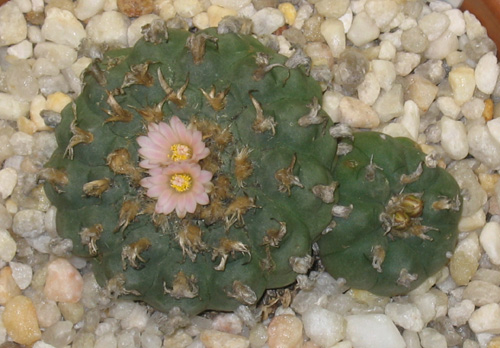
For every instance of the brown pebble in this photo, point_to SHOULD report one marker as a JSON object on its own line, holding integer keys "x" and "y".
{"x": 20, "y": 321}
{"x": 35, "y": 18}
{"x": 135, "y": 8}
{"x": 285, "y": 331}
{"x": 488, "y": 109}
{"x": 8, "y": 286}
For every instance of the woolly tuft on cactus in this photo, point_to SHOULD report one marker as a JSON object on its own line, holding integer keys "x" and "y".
{"x": 395, "y": 221}
{"x": 186, "y": 168}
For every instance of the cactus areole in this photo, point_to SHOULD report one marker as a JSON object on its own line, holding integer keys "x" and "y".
{"x": 186, "y": 167}
{"x": 396, "y": 217}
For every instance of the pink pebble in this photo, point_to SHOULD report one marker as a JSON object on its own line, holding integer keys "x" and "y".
{"x": 63, "y": 283}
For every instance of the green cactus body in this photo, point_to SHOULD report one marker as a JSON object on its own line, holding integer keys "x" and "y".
{"x": 258, "y": 226}
{"x": 396, "y": 218}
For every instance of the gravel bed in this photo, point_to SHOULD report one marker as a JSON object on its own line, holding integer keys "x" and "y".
{"x": 414, "y": 68}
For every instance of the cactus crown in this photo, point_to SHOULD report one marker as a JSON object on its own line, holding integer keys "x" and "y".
{"x": 186, "y": 169}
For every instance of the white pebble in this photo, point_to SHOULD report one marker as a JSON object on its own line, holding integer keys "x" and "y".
{"x": 86, "y": 9}
{"x": 135, "y": 29}
{"x": 385, "y": 72}
{"x": 411, "y": 119}
{"x": 106, "y": 341}
{"x": 389, "y": 104}
{"x": 373, "y": 331}
{"x": 11, "y": 107}
{"x": 387, "y": 50}
{"x": 405, "y": 315}
{"x": 406, "y": 62}
{"x": 232, "y": 4}
{"x": 28, "y": 223}
{"x": 369, "y": 89}
{"x": 8, "y": 181}
{"x": 150, "y": 340}
{"x": 486, "y": 319}
{"x": 41, "y": 344}
{"x": 486, "y": 73}
{"x": 442, "y": 46}
{"x": 421, "y": 91}
{"x": 35, "y": 34}
{"x": 457, "y": 22}
{"x": 267, "y": 21}
{"x": 355, "y": 113}
{"x": 8, "y": 246}
{"x": 187, "y": 8}
{"x": 460, "y": 313}
{"x": 472, "y": 222}
{"x": 483, "y": 146}
{"x": 363, "y": 30}
{"x": 494, "y": 128}
{"x": 22, "y": 274}
{"x": 490, "y": 241}
{"x": 109, "y": 27}
{"x": 434, "y": 25}
{"x": 473, "y": 109}
{"x": 323, "y": 327}
{"x": 60, "y": 55}
{"x": 382, "y": 12}
{"x": 13, "y": 28}
{"x": 473, "y": 27}
{"x": 331, "y": 104}
{"x": 332, "y": 8}
{"x": 21, "y": 143}
{"x": 137, "y": 318}
{"x": 448, "y": 107}
{"x": 22, "y": 50}
{"x": 462, "y": 83}
{"x": 217, "y": 339}
{"x": 346, "y": 19}
{"x": 333, "y": 31}
{"x": 62, "y": 27}
{"x": 431, "y": 338}
{"x": 454, "y": 138}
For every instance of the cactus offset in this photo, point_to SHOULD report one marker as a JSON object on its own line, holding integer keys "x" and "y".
{"x": 216, "y": 218}
{"x": 395, "y": 218}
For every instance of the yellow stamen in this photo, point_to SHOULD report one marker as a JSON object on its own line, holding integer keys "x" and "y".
{"x": 181, "y": 182}
{"x": 180, "y": 152}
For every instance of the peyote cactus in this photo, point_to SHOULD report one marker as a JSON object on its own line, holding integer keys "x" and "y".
{"x": 396, "y": 216}
{"x": 186, "y": 168}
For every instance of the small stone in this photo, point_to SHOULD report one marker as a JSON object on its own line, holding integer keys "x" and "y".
{"x": 389, "y": 104}
{"x": 434, "y": 25}
{"x": 486, "y": 319}
{"x": 448, "y": 107}
{"x": 110, "y": 27}
{"x": 22, "y": 50}
{"x": 373, "y": 331}
{"x": 414, "y": 40}
{"x": 465, "y": 259}
{"x": 484, "y": 146}
{"x": 217, "y": 339}
{"x": 369, "y": 89}
{"x": 62, "y": 27}
{"x": 8, "y": 180}
{"x": 8, "y": 246}
{"x": 406, "y": 62}
{"x": 289, "y": 12}
{"x": 405, "y": 315}
{"x": 285, "y": 331}
{"x": 179, "y": 339}
{"x": 267, "y": 21}
{"x": 454, "y": 138}
{"x": 13, "y": 28}
{"x": 11, "y": 107}
{"x": 333, "y": 31}
{"x": 227, "y": 322}
{"x": 86, "y": 9}
{"x": 442, "y": 46}
{"x": 135, "y": 8}
{"x": 472, "y": 222}
{"x": 411, "y": 119}
{"x": 385, "y": 72}
{"x": 216, "y": 13}
{"x": 187, "y": 8}
{"x": 489, "y": 108}
{"x": 21, "y": 143}
{"x": 20, "y": 320}
{"x": 48, "y": 313}
{"x": 431, "y": 338}
{"x": 462, "y": 83}
{"x": 382, "y": 12}
{"x": 363, "y": 30}
{"x": 22, "y": 274}
{"x": 421, "y": 91}
{"x": 107, "y": 340}
{"x": 460, "y": 313}
{"x": 232, "y": 4}
{"x": 28, "y": 223}
{"x": 490, "y": 241}
{"x": 8, "y": 286}
{"x": 60, "y": 55}
{"x": 331, "y": 104}
{"x": 323, "y": 327}
{"x": 357, "y": 114}
{"x": 486, "y": 73}
{"x": 60, "y": 334}
{"x": 473, "y": 109}
{"x": 332, "y": 8}
{"x": 481, "y": 292}
{"x": 72, "y": 312}
{"x": 474, "y": 28}
{"x": 63, "y": 283}
{"x": 457, "y": 21}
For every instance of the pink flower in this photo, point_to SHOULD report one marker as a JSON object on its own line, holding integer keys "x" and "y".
{"x": 170, "y": 143}
{"x": 179, "y": 186}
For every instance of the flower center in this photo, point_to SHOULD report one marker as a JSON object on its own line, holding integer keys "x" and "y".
{"x": 181, "y": 182}
{"x": 180, "y": 152}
